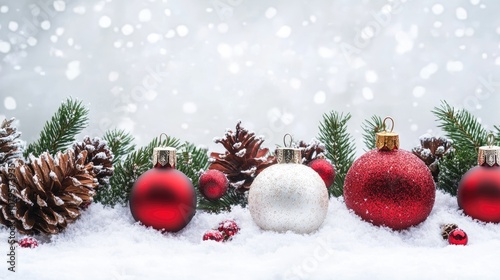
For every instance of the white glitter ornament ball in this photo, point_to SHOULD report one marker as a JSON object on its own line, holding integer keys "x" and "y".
{"x": 288, "y": 197}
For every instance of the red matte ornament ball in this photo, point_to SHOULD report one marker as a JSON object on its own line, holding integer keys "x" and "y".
{"x": 390, "y": 188}
{"x": 163, "y": 198}
{"x": 214, "y": 235}
{"x": 324, "y": 169}
{"x": 458, "y": 237}
{"x": 213, "y": 184}
{"x": 479, "y": 193}
{"x": 28, "y": 242}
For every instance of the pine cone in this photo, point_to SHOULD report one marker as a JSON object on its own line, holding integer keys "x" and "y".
{"x": 243, "y": 159}
{"x": 431, "y": 150}
{"x": 47, "y": 193}
{"x": 10, "y": 145}
{"x": 99, "y": 154}
{"x": 315, "y": 149}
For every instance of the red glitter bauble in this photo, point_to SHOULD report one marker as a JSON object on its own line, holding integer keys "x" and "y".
{"x": 390, "y": 188}
{"x": 458, "y": 237}
{"x": 479, "y": 193}
{"x": 28, "y": 242}
{"x": 214, "y": 235}
{"x": 163, "y": 198}
{"x": 229, "y": 228}
{"x": 213, "y": 184}
{"x": 324, "y": 169}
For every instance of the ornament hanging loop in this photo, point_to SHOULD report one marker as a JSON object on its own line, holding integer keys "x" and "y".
{"x": 166, "y": 137}
{"x": 289, "y": 143}
{"x": 392, "y": 123}
{"x": 490, "y": 140}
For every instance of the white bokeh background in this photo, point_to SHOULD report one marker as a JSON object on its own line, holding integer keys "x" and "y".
{"x": 194, "y": 68}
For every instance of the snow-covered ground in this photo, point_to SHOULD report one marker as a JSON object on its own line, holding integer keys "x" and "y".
{"x": 107, "y": 244}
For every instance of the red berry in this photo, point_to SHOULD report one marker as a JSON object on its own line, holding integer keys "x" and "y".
{"x": 213, "y": 235}
{"x": 28, "y": 242}
{"x": 229, "y": 228}
{"x": 324, "y": 169}
{"x": 213, "y": 184}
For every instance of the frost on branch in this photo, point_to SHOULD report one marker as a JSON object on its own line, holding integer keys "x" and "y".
{"x": 431, "y": 150}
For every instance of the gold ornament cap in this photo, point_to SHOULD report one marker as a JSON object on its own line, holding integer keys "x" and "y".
{"x": 387, "y": 140}
{"x": 288, "y": 154}
{"x": 164, "y": 156}
{"x": 490, "y": 154}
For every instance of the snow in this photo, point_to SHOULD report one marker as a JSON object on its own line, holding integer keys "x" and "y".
{"x": 113, "y": 246}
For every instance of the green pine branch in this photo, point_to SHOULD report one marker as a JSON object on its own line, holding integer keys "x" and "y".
{"x": 339, "y": 145}
{"x": 460, "y": 126}
{"x": 60, "y": 132}
{"x": 230, "y": 198}
{"x": 467, "y": 135}
{"x": 120, "y": 143}
{"x": 129, "y": 170}
{"x": 370, "y": 129}
{"x": 497, "y": 137}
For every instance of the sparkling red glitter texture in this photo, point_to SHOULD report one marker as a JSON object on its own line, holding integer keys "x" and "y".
{"x": 479, "y": 193}
{"x": 390, "y": 188}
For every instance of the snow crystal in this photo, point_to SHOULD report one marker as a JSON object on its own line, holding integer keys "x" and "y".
{"x": 241, "y": 153}
{"x": 237, "y": 145}
{"x": 249, "y": 171}
{"x": 101, "y": 155}
{"x": 425, "y": 137}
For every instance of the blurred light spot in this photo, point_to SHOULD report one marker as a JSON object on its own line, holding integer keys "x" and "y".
{"x": 371, "y": 76}
{"x": 225, "y": 50}
{"x": 4, "y": 47}
{"x": 59, "y": 5}
{"x": 284, "y": 32}
{"x": 153, "y": 37}
{"x": 320, "y": 97}
{"x": 222, "y": 27}
{"x": 45, "y": 25}
{"x": 437, "y": 9}
{"x": 13, "y": 25}
{"x": 73, "y": 70}
{"x": 113, "y": 76}
{"x": 184, "y": 126}
{"x": 461, "y": 13}
{"x": 144, "y": 15}
{"x": 167, "y": 12}
{"x": 182, "y": 30}
{"x": 104, "y": 22}
{"x": 127, "y": 29}
{"x": 428, "y": 70}
{"x": 367, "y": 93}
{"x": 170, "y": 34}
{"x": 418, "y": 91}
{"x": 497, "y": 61}
{"x": 189, "y": 108}
{"x": 295, "y": 83}
{"x": 234, "y": 68}
{"x": 325, "y": 52}
{"x": 414, "y": 127}
{"x": 454, "y": 66}
{"x": 438, "y": 24}
{"x": 9, "y": 103}
{"x": 32, "y": 41}
{"x": 474, "y": 2}
{"x": 271, "y": 12}
{"x": 79, "y": 10}
{"x": 4, "y": 9}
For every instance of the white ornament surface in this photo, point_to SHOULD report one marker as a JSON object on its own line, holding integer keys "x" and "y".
{"x": 287, "y": 197}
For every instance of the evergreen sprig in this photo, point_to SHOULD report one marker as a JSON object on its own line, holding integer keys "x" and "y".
{"x": 467, "y": 135}
{"x": 229, "y": 199}
{"x": 60, "y": 132}
{"x": 370, "y": 128}
{"x": 192, "y": 160}
{"x": 340, "y": 147}
{"x": 120, "y": 143}
{"x": 129, "y": 170}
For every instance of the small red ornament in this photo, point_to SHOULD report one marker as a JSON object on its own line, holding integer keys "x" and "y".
{"x": 229, "y": 228}
{"x": 213, "y": 184}
{"x": 28, "y": 242}
{"x": 214, "y": 235}
{"x": 458, "y": 237}
{"x": 479, "y": 190}
{"x": 325, "y": 170}
{"x": 388, "y": 186}
{"x": 163, "y": 197}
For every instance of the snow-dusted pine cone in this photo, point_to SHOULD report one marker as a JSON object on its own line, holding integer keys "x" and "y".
{"x": 99, "y": 154}
{"x": 315, "y": 149}
{"x": 10, "y": 145}
{"x": 431, "y": 150}
{"x": 243, "y": 159}
{"x": 47, "y": 193}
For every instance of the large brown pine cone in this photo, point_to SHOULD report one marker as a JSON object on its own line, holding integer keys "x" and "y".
{"x": 10, "y": 145}
{"x": 315, "y": 149}
{"x": 99, "y": 154}
{"x": 243, "y": 159}
{"x": 47, "y": 193}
